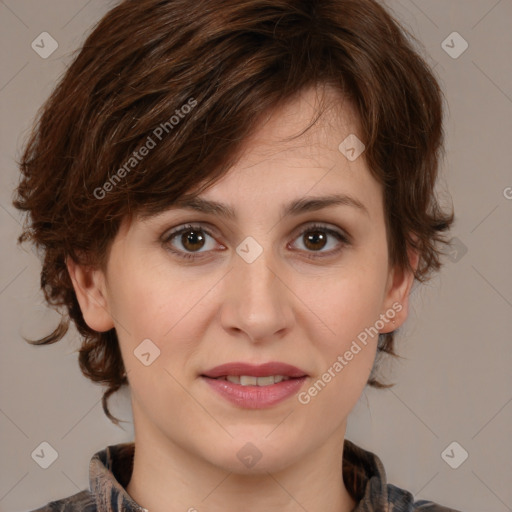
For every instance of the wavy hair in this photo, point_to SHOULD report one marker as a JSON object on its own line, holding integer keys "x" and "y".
{"x": 230, "y": 62}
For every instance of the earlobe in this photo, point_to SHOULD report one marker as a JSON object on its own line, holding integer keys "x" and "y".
{"x": 89, "y": 286}
{"x": 399, "y": 288}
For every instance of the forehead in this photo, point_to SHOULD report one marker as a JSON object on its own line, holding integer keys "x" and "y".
{"x": 309, "y": 124}
{"x": 295, "y": 152}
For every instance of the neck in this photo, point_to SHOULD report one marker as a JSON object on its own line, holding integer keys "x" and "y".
{"x": 169, "y": 478}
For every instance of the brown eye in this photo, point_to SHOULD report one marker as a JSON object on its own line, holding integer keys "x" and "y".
{"x": 317, "y": 237}
{"x": 189, "y": 241}
{"x": 192, "y": 239}
{"x": 315, "y": 240}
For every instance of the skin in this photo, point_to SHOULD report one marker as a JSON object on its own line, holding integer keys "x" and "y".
{"x": 283, "y": 306}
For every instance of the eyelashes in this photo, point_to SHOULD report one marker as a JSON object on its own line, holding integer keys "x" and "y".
{"x": 193, "y": 230}
{"x": 190, "y": 229}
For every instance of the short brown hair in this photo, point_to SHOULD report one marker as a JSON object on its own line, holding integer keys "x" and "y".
{"x": 230, "y": 62}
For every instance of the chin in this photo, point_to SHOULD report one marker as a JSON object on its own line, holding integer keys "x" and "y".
{"x": 252, "y": 454}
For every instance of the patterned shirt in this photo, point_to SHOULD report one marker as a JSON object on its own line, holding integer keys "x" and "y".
{"x": 363, "y": 473}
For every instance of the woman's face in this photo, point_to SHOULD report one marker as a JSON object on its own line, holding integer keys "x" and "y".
{"x": 264, "y": 286}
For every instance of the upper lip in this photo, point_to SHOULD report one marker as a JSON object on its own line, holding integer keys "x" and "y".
{"x": 258, "y": 370}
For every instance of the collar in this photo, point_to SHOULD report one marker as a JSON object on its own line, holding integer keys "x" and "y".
{"x": 110, "y": 471}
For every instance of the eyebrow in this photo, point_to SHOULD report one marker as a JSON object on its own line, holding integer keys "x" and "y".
{"x": 297, "y": 207}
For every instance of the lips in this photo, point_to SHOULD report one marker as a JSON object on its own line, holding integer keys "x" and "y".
{"x": 249, "y": 386}
{"x": 263, "y": 370}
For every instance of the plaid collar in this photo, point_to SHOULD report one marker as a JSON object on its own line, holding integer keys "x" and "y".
{"x": 363, "y": 473}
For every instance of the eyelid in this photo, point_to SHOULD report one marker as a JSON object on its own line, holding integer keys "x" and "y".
{"x": 325, "y": 226}
{"x": 209, "y": 230}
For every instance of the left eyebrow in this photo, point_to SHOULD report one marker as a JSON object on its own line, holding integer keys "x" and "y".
{"x": 296, "y": 207}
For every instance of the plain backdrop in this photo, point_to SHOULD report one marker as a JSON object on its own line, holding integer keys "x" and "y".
{"x": 455, "y": 383}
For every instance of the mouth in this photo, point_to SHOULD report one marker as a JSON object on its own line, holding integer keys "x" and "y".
{"x": 255, "y": 386}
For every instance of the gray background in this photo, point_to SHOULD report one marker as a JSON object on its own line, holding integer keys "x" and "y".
{"x": 455, "y": 383}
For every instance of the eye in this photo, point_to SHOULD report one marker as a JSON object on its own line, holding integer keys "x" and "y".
{"x": 316, "y": 237}
{"x": 193, "y": 240}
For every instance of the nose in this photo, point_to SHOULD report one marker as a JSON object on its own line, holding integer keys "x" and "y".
{"x": 257, "y": 301}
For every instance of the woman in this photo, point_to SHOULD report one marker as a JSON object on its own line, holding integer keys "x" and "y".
{"x": 234, "y": 200}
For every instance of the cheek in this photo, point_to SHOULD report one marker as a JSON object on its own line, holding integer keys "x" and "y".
{"x": 344, "y": 309}
{"x": 345, "y": 302}
{"x": 344, "y": 312}
{"x": 136, "y": 302}
{"x": 150, "y": 311}
{"x": 147, "y": 296}
{"x": 152, "y": 301}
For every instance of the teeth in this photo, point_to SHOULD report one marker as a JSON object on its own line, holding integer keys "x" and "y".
{"x": 249, "y": 380}
{"x": 246, "y": 380}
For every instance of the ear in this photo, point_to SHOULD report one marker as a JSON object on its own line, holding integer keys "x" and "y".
{"x": 90, "y": 290}
{"x": 399, "y": 286}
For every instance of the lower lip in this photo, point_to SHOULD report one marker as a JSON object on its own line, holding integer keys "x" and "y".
{"x": 255, "y": 397}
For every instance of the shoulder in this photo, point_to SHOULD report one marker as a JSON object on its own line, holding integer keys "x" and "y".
{"x": 402, "y": 501}
{"x": 82, "y": 501}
